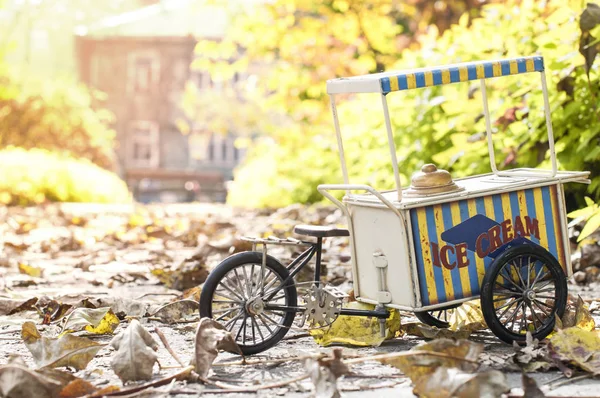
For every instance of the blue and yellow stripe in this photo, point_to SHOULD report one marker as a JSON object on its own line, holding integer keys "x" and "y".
{"x": 438, "y": 284}
{"x": 460, "y": 73}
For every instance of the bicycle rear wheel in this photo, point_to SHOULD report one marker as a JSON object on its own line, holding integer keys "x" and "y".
{"x": 237, "y": 295}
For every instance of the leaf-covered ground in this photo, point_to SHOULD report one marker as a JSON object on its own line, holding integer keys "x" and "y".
{"x": 87, "y": 271}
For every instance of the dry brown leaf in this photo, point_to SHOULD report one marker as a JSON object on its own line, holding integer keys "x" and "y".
{"x": 211, "y": 337}
{"x": 135, "y": 355}
{"x": 431, "y": 332}
{"x": 51, "y": 310}
{"x": 66, "y": 350}
{"x": 77, "y": 388}
{"x": 13, "y": 306}
{"x": 577, "y": 314}
{"x": 190, "y": 294}
{"x": 530, "y": 387}
{"x": 578, "y": 346}
{"x": 461, "y": 355}
{"x": 323, "y": 379}
{"x": 20, "y": 381}
{"x": 325, "y": 372}
{"x": 452, "y": 382}
{"x": 93, "y": 320}
{"x": 17, "y": 381}
{"x": 533, "y": 356}
{"x": 583, "y": 318}
{"x": 122, "y": 307}
{"x": 176, "y": 311}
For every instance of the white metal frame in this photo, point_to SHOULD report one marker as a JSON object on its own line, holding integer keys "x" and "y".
{"x": 488, "y": 125}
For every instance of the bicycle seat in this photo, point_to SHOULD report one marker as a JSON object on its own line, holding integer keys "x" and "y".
{"x": 319, "y": 231}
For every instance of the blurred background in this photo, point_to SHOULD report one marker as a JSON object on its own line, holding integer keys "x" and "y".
{"x": 214, "y": 100}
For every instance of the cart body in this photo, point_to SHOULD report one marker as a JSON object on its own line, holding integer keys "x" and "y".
{"x": 439, "y": 250}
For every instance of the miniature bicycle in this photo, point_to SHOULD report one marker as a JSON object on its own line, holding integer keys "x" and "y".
{"x": 500, "y": 237}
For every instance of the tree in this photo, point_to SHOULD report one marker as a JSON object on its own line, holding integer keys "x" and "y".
{"x": 303, "y": 43}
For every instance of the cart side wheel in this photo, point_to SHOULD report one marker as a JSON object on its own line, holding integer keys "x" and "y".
{"x": 524, "y": 290}
{"x": 440, "y": 318}
{"x": 237, "y": 295}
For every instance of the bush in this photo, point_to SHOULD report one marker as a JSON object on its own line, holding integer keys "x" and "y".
{"x": 57, "y": 115}
{"x": 35, "y": 176}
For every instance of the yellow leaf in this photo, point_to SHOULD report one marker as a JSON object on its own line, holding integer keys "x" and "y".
{"x": 467, "y": 317}
{"x": 581, "y": 347}
{"x": 462, "y": 354}
{"x": 583, "y": 318}
{"x": 30, "y": 270}
{"x": 98, "y": 321}
{"x": 590, "y": 227}
{"x": 107, "y": 325}
{"x": 357, "y": 330}
{"x": 578, "y": 316}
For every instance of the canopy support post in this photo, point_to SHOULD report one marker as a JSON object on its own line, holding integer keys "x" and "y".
{"x": 388, "y": 126}
{"x": 549, "y": 124}
{"x": 338, "y": 134}
{"x": 488, "y": 127}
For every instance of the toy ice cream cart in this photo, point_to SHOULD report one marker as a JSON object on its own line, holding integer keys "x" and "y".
{"x": 500, "y": 237}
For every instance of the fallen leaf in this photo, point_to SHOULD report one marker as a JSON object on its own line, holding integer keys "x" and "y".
{"x": 17, "y": 381}
{"x": 30, "y": 270}
{"x": 97, "y": 321}
{"x": 533, "y": 356}
{"x": 189, "y": 273}
{"x": 176, "y": 311}
{"x": 431, "y": 332}
{"x": 77, "y": 388}
{"x": 66, "y": 350}
{"x": 51, "y": 310}
{"x": 468, "y": 316}
{"x": 578, "y": 346}
{"x": 583, "y": 318}
{"x": 530, "y": 387}
{"x": 461, "y": 354}
{"x": 323, "y": 379}
{"x": 452, "y": 382}
{"x": 13, "y": 306}
{"x": 135, "y": 355}
{"x": 122, "y": 307}
{"x": 190, "y": 294}
{"x": 357, "y": 330}
{"x": 211, "y": 337}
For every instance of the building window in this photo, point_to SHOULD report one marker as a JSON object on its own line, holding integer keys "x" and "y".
{"x": 144, "y": 144}
{"x": 144, "y": 71}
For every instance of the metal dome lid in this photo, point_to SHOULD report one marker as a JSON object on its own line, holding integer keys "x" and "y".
{"x": 431, "y": 181}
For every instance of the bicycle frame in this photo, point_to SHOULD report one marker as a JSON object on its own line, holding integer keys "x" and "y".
{"x": 297, "y": 264}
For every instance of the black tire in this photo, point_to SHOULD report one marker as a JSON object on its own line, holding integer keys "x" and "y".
{"x": 542, "y": 291}
{"x": 227, "y": 286}
{"x": 438, "y": 318}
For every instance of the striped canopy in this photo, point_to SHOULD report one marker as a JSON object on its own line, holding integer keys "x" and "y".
{"x": 408, "y": 79}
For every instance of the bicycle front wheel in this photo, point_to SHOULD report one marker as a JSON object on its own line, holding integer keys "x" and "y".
{"x": 238, "y": 293}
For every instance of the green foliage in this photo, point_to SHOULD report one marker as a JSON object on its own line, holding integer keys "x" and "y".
{"x": 308, "y": 42}
{"x": 58, "y": 115}
{"x": 35, "y": 176}
{"x": 591, "y": 215}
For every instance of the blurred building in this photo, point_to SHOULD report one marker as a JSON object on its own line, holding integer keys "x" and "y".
{"x": 141, "y": 60}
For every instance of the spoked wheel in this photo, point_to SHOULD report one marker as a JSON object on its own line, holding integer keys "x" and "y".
{"x": 439, "y": 318}
{"x": 247, "y": 302}
{"x": 523, "y": 291}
